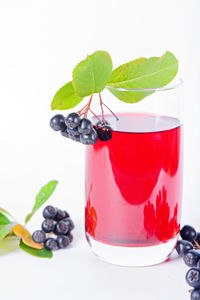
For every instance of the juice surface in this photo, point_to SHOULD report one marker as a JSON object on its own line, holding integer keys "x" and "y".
{"x": 134, "y": 181}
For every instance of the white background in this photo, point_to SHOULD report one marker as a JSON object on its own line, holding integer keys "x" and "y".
{"x": 40, "y": 43}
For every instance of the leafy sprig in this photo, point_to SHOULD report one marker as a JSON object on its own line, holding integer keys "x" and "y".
{"x": 94, "y": 74}
{"x": 9, "y": 227}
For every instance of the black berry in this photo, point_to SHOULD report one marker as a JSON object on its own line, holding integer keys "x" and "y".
{"x": 195, "y": 295}
{"x": 191, "y": 258}
{"x": 57, "y": 122}
{"x": 73, "y": 120}
{"x": 61, "y": 228}
{"x": 48, "y": 225}
{"x": 51, "y": 244}
{"x": 49, "y": 212}
{"x": 73, "y": 132}
{"x": 104, "y": 133}
{"x": 70, "y": 223}
{"x": 89, "y": 139}
{"x": 63, "y": 241}
{"x": 188, "y": 233}
{"x": 70, "y": 236}
{"x": 85, "y": 126}
{"x": 65, "y": 133}
{"x": 75, "y": 137}
{"x": 193, "y": 277}
{"x": 197, "y": 239}
{"x": 182, "y": 247}
{"x": 39, "y": 236}
{"x": 60, "y": 215}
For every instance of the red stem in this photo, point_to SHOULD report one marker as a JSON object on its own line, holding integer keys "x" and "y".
{"x": 88, "y": 107}
{"x": 82, "y": 109}
{"x": 102, "y": 112}
{"x": 94, "y": 115}
{"x": 110, "y": 111}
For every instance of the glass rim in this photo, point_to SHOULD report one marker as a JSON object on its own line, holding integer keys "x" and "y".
{"x": 170, "y": 86}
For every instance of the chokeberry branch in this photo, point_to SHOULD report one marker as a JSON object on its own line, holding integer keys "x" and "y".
{"x": 110, "y": 110}
{"x": 80, "y": 111}
{"x": 88, "y": 106}
{"x": 102, "y": 112}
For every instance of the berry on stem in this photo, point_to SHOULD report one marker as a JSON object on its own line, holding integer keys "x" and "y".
{"x": 89, "y": 139}
{"x": 188, "y": 233}
{"x": 104, "y": 133}
{"x": 73, "y": 120}
{"x": 57, "y": 122}
{"x": 39, "y": 236}
{"x": 85, "y": 126}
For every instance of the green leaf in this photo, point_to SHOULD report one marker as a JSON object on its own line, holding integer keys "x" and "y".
{"x": 65, "y": 98}
{"x": 5, "y": 212}
{"x": 6, "y": 229}
{"x": 142, "y": 73}
{"x": 4, "y": 220}
{"x": 43, "y": 195}
{"x": 43, "y": 253}
{"x": 92, "y": 74}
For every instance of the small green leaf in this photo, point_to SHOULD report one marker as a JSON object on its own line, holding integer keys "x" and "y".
{"x": 6, "y": 229}
{"x": 4, "y": 220}
{"x": 65, "y": 98}
{"x": 92, "y": 74}
{"x": 5, "y": 212}
{"x": 43, "y": 195}
{"x": 43, "y": 253}
{"x": 142, "y": 73}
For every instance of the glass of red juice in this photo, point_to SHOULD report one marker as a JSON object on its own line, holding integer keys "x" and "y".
{"x": 134, "y": 180}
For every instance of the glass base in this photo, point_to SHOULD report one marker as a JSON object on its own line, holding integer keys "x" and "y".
{"x": 132, "y": 256}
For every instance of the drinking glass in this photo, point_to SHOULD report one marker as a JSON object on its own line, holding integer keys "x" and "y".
{"x": 134, "y": 180}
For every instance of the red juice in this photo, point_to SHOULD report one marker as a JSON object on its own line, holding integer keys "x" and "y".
{"x": 134, "y": 182}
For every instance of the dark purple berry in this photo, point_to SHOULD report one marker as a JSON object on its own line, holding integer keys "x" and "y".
{"x": 89, "y": 139}
{"x": 70, "y": 236}
{"x": 51, "y": 244}
{"x": 63, "y": 241}
{"x": 57, "y": 122}
{"x": 70, "y": 223}
{"x": 48, "y": 225}
{"x": 188, "y": 233}
{"x": 193, "y": 277}
{"x": 73, "y": 120}
{"x": 61, "y": 228}
{"x": 195, "y": 295}
{"x": 85, "y": 126}
{"x": 66, "y": 214}
{"x": 39, "y": 236}
{"x": 65, "y": 133}
{"x": 182, "y": 247}
{"x": 104, "y": 133}
{"x": 49, "y": 212}
{"x": 191, "y": 258}
{"x": 197, "y": 239}
{"x": 73, "y": 132}
{"x": 75, "y": 138}
{"x": 60, "y": 215}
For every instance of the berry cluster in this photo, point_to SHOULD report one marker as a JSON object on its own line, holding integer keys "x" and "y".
{"x": 80, "y": 129}
{"x": 188, "y": 249}
{"x": 56, "y": 223}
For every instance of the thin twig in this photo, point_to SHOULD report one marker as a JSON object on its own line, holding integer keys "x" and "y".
{"x": 88, "y": 106}
{"x": 82, "y": 109}
{"x": 102, "y": 112}
{"x": 94, "y": 115}
{"x": 110, "y": 110}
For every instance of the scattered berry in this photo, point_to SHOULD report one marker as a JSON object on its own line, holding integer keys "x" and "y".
{"x": 191, "y": 258}
{"x": 195, "y": 295}
{"x": 57, "y": 122}
{"x": 60, "y": 215}
{"x": 104, "y": 133}
{"x": 49, "y": 212}
{"x": 73, "y": 120}
{"x": 63, "y": 241}
{"x": 193, "y": 277}
{"x": 48, "y": 225}
{"x": 51, "y": 244}
{"x": 188, "y": 233}
{"x": 61, "y": 228}
{"x": 39, "y": 236}
{"x": 70, "y": 223}
{"x": 182, "y": 247}
{"x": 85, "y": 126}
